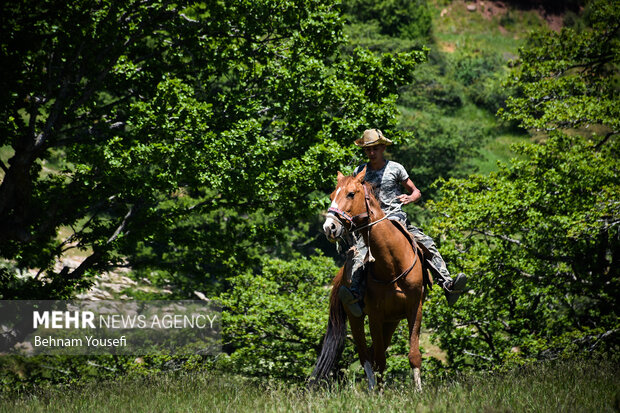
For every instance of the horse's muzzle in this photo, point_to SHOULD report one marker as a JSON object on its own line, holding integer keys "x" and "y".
{"x": 332, "y": 228}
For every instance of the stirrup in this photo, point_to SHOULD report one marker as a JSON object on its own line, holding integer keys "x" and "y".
{"x": 349, "y": 301}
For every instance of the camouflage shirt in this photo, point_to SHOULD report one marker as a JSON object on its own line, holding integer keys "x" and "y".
{"x": 387, "y": 185}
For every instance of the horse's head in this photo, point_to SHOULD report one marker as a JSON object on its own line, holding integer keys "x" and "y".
{"x": 348, "y": 202}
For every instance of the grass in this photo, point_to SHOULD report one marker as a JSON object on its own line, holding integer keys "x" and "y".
{"x": 558, "y": 387}
{"x": 502, "y": 32}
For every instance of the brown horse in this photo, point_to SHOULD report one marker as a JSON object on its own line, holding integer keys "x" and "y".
{"x": 395, "y": 285}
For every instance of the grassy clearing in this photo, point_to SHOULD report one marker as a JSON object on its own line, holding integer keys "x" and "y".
{"x": 492, "y": 29}
{"x": 574, "y": 386}
{"x": 488, "y": 28}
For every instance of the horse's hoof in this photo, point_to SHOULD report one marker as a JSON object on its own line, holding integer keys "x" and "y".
{"x": 370, "y": 375}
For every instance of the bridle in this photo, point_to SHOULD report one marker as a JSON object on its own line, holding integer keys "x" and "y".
{"x": 353, "y": 221}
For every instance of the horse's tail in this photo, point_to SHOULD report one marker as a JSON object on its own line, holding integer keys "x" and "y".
{"x": 333, "y": 343}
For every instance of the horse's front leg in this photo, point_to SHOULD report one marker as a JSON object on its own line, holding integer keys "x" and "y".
{"x": 379, "y": 344}
{"x": 359, "y": 337}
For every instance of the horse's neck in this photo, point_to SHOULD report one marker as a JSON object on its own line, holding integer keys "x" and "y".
{"x": 385, "y": 234}
{"x": 388, "y": 245}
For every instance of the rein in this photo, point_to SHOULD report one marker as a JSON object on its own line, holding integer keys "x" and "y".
{"x": 377, "y": 221}
{"x": 343, "y": 216}
{"x": 403, "y": 274}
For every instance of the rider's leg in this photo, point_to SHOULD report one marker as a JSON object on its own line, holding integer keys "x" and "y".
{"x": 352, "y": 297}
{"x": 452, "y": 288}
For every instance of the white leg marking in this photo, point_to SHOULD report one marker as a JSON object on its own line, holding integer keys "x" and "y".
{"x": 417, "y": 381}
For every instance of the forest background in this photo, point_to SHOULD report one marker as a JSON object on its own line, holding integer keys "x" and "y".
{"x": 181, "y": 150}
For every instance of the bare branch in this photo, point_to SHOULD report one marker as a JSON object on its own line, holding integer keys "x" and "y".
{"x": 92, "y": 259}
{"x": 188, "y": 19}
{"x": 500, "y": 236}
{"x": 469, "y": 353}
{"x": 123, "y": 224}
{"x": 605, "y": 139}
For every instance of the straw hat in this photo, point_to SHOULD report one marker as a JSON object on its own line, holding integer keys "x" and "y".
{"x": 372, "y": 137}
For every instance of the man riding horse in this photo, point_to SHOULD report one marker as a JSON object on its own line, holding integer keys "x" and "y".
{"x": 387, "y": 178}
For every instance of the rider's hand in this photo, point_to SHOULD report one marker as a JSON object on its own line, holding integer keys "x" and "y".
{"x": 405, "y": 199}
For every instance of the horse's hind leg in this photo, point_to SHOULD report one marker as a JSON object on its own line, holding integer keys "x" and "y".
{"x": 415, "y": 357}
{"x": 388, "y": 332}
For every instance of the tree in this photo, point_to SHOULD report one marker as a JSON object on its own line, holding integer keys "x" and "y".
{"x": 540, "y": 237}
{"x": 275, "y": 320}
{"x": 568, "y": 80}
{"x": 130, "y": 122}
{"x": 398, "y": 18}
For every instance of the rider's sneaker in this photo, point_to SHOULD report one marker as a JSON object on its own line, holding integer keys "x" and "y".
{"x": 455, "y": 288}
{"x": 349, "y": 301}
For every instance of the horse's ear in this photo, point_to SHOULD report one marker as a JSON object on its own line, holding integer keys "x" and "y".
{"x": 361, "y": 175}
{"x": 340, "y": 176}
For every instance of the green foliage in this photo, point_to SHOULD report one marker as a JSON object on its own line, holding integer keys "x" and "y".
{"x": 441, "y": 148}
{"x": 446, "y": 109}
{"x": 448, "y": 129}
{"x": 397, "y": 18}
{"x": 482, "y": 74}
{"x": 498, "y": 151}
{"x": 570, "y": 79}
{"x": 429, "y": 90}
{"x": 490, "y": 93}
{"x": 180, "y": 125}
{"x": 472, "y": 68}
{"x": 19, "y": 374}
{"x": 540, "y": 237}
{"x": 274, "y": 318}
{"x": 368, "y": 35}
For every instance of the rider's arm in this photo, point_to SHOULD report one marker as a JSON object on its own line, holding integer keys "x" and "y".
{"x": 414, "y": 193}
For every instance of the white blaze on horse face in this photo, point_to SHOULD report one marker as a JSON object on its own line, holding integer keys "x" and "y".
{"x": 331, "y": 223}
{"x": 334, "y": 203}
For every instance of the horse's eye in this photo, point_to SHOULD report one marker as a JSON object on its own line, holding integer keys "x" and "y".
{"x": 351, "y": 195}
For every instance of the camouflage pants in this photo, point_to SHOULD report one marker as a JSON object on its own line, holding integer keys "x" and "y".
{"x": 357, "y": 281}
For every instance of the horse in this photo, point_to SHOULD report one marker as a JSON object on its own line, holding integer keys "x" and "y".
{"x": 395, "y": 283}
